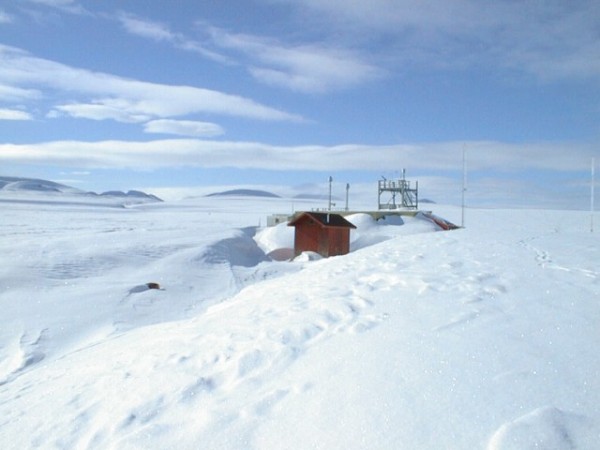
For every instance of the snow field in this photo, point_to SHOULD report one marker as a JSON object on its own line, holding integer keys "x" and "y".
{"x": 475, "y": 338}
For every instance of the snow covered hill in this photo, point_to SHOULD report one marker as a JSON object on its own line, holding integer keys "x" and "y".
{"x": 244, "y": 193}
{"x": 16, "y": 184}
{"x": 480, "y": 338}
{"x": 31, "y": 190}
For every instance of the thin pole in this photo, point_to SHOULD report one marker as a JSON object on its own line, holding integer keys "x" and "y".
{"x": 347, "y": 191}
{"x": 464, "y": 185}
{"x": 330, "y": 181}
{"x": 593, "y": 183}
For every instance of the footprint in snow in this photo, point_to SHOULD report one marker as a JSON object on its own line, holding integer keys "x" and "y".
{"x": 30, "y": 350}
{"x": 269, "y": 401}
{"x": 546, "y": 428}
{"x": 367, "y": 323}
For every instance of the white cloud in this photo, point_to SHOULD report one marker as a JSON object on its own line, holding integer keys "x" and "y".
{"x": 109, "y": 109}
{"x": 146, "y": 28}
{"x": 16, "y": 94}
{"x": 160, "y": 32}
{"x": 5, "y": 17}
{"x": 184, "y": 128}
{"x": 305, "y": 68}
{"x": 550, "y": 40}
{"x": 495, "y": 156}
{"x": 70, "y": 6}
{"x": 496, "y": 170}
{"x": 389, "y": 15}
{"x": 77, "y": 173}
{"x": 14, "y": 114}
{"x": 109, "y": 96}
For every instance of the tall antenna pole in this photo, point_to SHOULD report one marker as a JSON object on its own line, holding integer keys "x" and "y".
{"x": 464, "y": 185}
{"x": 592, "y": 195}
{"x": 330, "y": 181}
{"x": 347, "y": 191}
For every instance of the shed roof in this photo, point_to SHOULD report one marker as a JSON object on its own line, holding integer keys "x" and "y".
{"x": 324, "y": 219}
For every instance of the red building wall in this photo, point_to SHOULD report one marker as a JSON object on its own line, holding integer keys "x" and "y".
{"x": 325, "y": 241}
{"x": 338, "y": 241}
{"x": 307, "y": 237}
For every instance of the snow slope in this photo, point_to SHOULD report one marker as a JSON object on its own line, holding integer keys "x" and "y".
{"x": 481, "y": 338}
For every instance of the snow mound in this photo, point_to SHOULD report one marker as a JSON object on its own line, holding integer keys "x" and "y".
{"x": 370, "y": 231}
{"x": 545, "y": 428}
{"x": 270, "y": 239}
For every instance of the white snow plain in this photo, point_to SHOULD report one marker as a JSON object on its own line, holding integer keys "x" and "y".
{"x": 479, "y": 338}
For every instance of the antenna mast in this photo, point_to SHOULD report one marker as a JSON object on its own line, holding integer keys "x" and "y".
{"x": 464, "y": 184}
{"x": 347, "y": 192}
{"x": 330, "y": 181}
{"x": 592, "y": 195}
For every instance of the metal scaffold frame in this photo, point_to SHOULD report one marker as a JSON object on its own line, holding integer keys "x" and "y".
{"x": 408, "y": 197}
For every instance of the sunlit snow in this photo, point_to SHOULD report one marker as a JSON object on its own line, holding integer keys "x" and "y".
{"x": 479, "y": 338}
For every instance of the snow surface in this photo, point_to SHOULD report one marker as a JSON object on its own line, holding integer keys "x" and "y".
{"x": 480, "y": 338}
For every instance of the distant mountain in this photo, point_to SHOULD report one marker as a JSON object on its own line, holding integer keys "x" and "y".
{"x": 244, "y": 193}
{"x": 426, "y": 200}
{"x": 15, "y": 184}
{"x": 34, "y": 185}
{"x": 128, "y": 194}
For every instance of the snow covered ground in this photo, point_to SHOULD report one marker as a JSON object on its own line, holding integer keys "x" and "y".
{"x": 480, "y": 338}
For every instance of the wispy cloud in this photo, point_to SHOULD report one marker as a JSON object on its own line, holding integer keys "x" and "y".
{"x": 495, "y": 168}
{"x": 10, "y": 93}
{"x": 5, "y": 17}
{"x": 549, "y": 40}
{"x": 184, "y": 128}
{"x": 161, "y": 32}
{"x": 70, "y": 6}
{"x": 367, "y": 40}
{"x": 300, "y": 67}
{"x": 441, "y": 156}
{"x": 118, "y": 110}
{"x": 106, "y": 96}
{"x": 146, "y": 28}
{"x": 78, "y": 173}
{"x": 14, "y": 114}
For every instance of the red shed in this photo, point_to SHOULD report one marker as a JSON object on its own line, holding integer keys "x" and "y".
{"x": 325, "y": 233}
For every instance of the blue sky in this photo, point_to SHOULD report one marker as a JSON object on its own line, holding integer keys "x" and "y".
{"x": 274, "y": 93}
